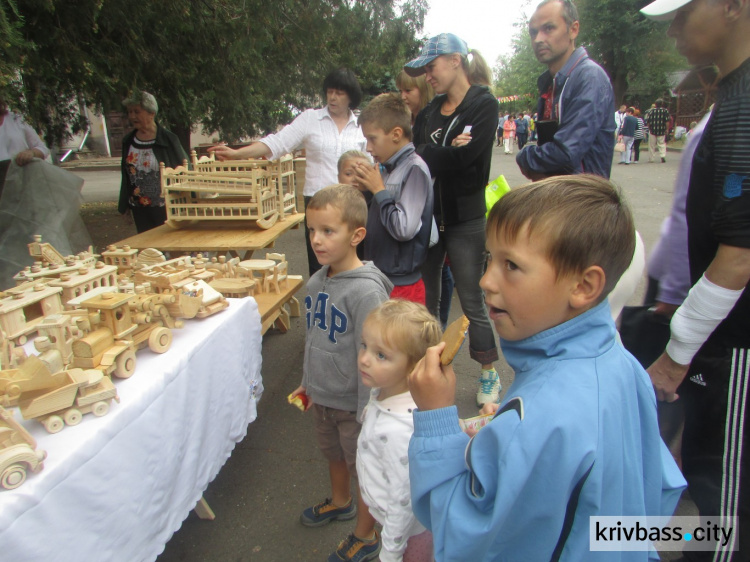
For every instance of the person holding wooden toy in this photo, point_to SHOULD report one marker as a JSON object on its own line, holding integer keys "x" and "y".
{"x": 339, "y": 298}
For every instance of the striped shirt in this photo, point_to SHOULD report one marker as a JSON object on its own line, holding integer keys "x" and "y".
{"x": 718, "y": 202}
{"x": 315, "y": 131}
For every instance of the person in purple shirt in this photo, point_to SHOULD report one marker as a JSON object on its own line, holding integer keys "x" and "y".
{"x": 668, "y": 267}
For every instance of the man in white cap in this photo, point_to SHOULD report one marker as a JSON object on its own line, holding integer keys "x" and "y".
{"x": 708, "y": 355}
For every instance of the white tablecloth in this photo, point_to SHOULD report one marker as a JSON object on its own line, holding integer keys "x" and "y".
{"x": 117, "y": 487}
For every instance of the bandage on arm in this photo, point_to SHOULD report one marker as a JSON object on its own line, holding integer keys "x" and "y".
{"x": 706, "y": 305}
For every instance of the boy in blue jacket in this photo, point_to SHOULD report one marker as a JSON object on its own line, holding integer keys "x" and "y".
{"x": 576, "y": 435}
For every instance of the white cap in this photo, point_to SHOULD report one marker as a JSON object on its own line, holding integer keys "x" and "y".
{"x": 662, "y": 10}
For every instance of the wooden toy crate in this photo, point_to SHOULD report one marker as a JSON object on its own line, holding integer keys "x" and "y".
{"x": 194, "y": 195}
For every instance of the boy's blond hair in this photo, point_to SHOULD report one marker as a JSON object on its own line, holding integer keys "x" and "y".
{"x": 351, "y": 155}
{"x": 406, "y": 326}
{"x": 348, "y": 200}
{"x": 387, "y": 111}
{"x": 583, "y": 218}
{"x": 406, "y": 82}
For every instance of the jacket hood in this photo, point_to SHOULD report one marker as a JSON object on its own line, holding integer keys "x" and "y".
{"x": 474, "y": 93}
{"x": 367, "y": 271}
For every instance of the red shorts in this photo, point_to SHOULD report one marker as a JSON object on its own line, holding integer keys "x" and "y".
{"x": 413, "y": 292}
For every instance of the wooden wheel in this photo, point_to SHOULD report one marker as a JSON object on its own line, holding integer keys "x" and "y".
{"x": 269, "y": 222}
{"x": 73, "y": 417}
{"x": 125, "y": 364}
{"x": 100, "y": 409}
{"x": 54, "y": 424}
{"x": 13, "y": 476}
{"x": 160, "y": 339}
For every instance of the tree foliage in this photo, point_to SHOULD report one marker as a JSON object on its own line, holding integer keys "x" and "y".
{"x": 237, "y": 66}
{"x": 635, "y": 51}
{"x": 516, "y": 74}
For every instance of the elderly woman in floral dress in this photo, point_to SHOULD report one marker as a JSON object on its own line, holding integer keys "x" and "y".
{"x": 142, "y": 150}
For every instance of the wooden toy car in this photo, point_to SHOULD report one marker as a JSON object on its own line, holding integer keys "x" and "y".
{"x": 18, "y": 452}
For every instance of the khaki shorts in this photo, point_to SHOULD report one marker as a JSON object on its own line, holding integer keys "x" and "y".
{"x": 337, "y": 432}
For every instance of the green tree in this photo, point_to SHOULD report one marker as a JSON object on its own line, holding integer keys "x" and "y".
{"x": 517, "y": 73}
{"x": 634, "y": 51}
{"x": 236, "y": 66}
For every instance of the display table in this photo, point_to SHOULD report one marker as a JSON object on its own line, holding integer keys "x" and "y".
{"x": 116, "y": 488}
{"x": 213, "y": 236}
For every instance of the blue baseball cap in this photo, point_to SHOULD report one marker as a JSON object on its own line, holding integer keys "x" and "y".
{"x": 443, "y": 44}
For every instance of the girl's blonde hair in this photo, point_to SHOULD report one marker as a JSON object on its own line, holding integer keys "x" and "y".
{"x": 350, "y": 155}
{"x": 477, "y": 70}
{"x": 406, "y": 326}
{"x": 406, "y": 82}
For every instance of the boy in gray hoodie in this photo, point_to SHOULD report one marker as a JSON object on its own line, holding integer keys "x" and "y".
{"x": 339, "y": 297}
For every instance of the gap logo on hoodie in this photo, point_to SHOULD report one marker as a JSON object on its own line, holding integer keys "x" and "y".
{"x": 329, "y": 319}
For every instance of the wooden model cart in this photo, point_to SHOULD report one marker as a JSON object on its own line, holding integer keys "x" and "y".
{"x": 282, "y": 171}
{"x": 18, "y": 452}
{"x": 191, "y": 196}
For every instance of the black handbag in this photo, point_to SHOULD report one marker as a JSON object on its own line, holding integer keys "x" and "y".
{"x": 643, "y": 333}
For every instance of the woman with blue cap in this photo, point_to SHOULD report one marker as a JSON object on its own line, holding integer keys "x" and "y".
{"x": 454, "y": 135}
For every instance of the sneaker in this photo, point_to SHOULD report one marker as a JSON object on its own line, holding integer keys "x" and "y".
{"x": 663, "y": 160}
{"x": 357, "y": 550}
{"x": 325, "y": 512}
{"x": 489, "y": 387}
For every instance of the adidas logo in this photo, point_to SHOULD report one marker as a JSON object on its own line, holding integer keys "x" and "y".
{"x": 698, "y": 379}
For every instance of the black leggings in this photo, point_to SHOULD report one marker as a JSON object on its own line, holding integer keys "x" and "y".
{"x": 636, "y": 149}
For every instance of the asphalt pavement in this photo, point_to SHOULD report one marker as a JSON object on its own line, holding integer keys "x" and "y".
{"x": 277, "y": 471}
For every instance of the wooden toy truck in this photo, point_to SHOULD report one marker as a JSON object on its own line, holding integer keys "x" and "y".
{"x": 117, "y": 332}
{"x": 18, "y": 452}
{"x": 56, "y": 399}
{"x": 74, "y": 392}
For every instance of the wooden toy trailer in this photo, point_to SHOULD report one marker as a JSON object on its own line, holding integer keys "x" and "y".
{"x": 24, "y": 308}
{"x": 84, "y": 280}
{"x": 191, "y": 196}
{"x": 18, "y": 453}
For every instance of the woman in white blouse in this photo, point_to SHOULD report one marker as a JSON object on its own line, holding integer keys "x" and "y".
{"x": 18, "y": 141}
{"x": 325, "y": 134}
